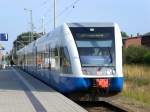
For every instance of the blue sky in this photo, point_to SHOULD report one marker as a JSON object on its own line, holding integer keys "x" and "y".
{"x": 133, "y": 16}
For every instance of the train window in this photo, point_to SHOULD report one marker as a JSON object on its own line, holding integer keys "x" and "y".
{"x": 52, "y": 52}
{"x": 83, "y": 33}
{"x": 46, "y": 60}
{"x": 40, "y": 60}
{"x": 103, "y": 43}
{"x": 52, "y": 58}
{"x": 56, "y": 51}
{"x": 55, "y": 59}
{"x": 65, "y": 61}
{"x": 95, "y": 56}
{"x": 34, "y": 58}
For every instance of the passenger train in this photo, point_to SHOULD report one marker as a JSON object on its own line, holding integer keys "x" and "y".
{"x": 77, "y": 57}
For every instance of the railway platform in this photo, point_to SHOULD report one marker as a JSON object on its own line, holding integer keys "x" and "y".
{"x": 20, "y": 92}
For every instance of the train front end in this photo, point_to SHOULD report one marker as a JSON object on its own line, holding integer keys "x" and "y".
{"x": 99, "y": 48}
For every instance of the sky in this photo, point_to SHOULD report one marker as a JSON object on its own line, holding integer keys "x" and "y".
{"x": 133, "y": 16}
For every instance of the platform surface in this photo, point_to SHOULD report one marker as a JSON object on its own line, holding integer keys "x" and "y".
{"x": 20, "y": 92}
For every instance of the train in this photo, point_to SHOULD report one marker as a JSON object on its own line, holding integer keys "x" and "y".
{"x": 77, "y": 57}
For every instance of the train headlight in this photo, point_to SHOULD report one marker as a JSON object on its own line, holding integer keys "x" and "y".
{"x": 98, "y": 72}
{"x": 113, "y": 72}
{"x": 110, "y": 71}
{"x": 106, "y": 71}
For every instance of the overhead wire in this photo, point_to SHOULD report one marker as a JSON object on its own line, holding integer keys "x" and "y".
{"x": 72, "y": 5}
{"x": 46, "y": 13}
{"x": 67, "y": 8}
{"x": 45, "y": 2}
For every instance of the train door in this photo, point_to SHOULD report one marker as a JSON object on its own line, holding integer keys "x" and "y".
{"x": 39, "y": 60}
{"x": 55, "y": 59}
{"x": 49, "y": 56}
{"x": 52, "y": 58}
{"x": 46, "y": 57}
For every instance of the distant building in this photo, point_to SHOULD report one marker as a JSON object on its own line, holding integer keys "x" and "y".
{"x": 132, "y": 41}
{"x": 146, "y": 40}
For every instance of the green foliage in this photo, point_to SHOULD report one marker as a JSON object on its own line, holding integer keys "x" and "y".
{"x": 136, "y": 55}
{"x": 24, "y": 39}
{"x": 124, "y": 34}
{"x": 147, "y": 58}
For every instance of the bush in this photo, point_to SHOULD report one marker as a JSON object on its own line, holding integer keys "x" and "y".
{"x": 147, "y": 58}
{"x": 135, "y": 55}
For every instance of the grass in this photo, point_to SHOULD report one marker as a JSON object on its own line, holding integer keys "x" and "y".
{"x": 137, "y": 83}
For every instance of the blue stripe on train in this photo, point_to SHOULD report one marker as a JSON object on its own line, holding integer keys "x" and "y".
{"x": 116, "y": 84}
{"x": 70, "y": 84}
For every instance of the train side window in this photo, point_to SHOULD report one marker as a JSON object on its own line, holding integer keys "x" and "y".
{"x": 39, "y": 60}
{"x": 52, "y": 58}
{"x": 56, "y": 51}
{"x": 65, "y": 62}
{"x": 46, "y": 60}
{"x": 55, "y": 59}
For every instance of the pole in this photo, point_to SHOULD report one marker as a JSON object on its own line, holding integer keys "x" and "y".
{"x": 43, "y": 25}
{"x": 31, "y": 19}
{"x": 31, "y": 24}
{"x": 54, "y": 14}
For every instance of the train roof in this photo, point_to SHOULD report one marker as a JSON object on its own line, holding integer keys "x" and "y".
{"x": 46, "y": 38}
{"x": 106, "y": 24}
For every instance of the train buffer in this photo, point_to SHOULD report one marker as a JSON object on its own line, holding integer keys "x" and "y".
{"x": 20, "y": 92}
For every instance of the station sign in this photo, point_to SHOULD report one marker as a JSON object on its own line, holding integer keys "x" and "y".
{"x": 3, "y": 37}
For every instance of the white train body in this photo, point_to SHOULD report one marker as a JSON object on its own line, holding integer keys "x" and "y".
{"x": 77, "y": 56}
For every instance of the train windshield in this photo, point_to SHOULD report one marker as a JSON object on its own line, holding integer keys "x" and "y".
{"x": 92, "y": 33}
{"x": 95, "y": 46}
{"x": 96, "y": 53}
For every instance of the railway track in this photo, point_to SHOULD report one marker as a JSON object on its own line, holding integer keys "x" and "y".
{"x": 102, "y": 106}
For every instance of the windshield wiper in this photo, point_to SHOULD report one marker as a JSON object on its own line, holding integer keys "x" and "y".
{"x": 110, "y": 54}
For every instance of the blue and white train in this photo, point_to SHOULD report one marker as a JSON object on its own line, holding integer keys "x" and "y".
{"x": 77, "y": 57}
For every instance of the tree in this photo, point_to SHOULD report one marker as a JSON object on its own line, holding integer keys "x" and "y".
{"x": 136, "y": 55}
{"x": 24, "y": 39}
{"x": 124, "y": 34}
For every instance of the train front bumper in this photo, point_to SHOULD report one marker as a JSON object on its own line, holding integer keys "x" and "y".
{"x": 72, "y": 84}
